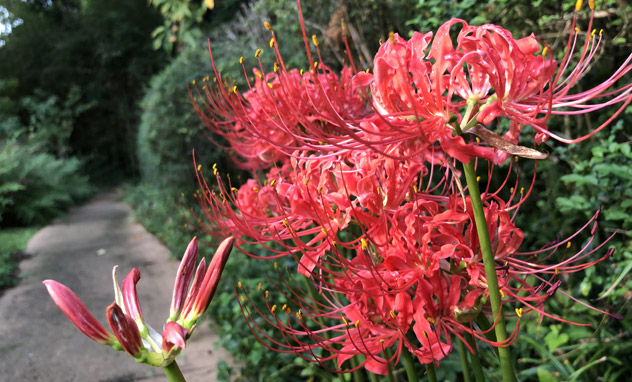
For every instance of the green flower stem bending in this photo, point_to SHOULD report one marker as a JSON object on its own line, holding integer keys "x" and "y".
{"x": 430, "y": 370}
{"x": 409, "y": 364}
{"x": 475, "y": 360}
{"x": 464, "y": 362}
{"x": 173, "y": 373}
{"x": 490, "y": 270}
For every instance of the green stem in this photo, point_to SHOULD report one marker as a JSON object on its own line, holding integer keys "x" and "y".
{"x": 372, "y": 377}
{"x": 479, "y": 376}
{"x": 358, "y": 375}
{"x": 409, "y": 364}
{"x": 430, "y": 369}
{"x": 490, "y": 270}
{"x": 388, "y": 354}
{"x": 173, "y": 373}
{"x": 464, "y": 362}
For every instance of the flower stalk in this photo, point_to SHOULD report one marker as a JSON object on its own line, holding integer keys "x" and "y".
{"x": 504, "y": 354}
{"x": 173, "y": 373}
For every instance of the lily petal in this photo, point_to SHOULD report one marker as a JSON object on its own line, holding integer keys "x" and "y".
{"x": 125, "y": 330}
{"x": 77, "y": 312}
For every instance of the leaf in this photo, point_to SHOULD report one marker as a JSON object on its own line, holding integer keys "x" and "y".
{"x": 580, "y": 179}
{"x": 545, "y": 376}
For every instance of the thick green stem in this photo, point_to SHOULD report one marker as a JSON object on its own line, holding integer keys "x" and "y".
{"x": 479, "y": 376}
{"x": 465, "y": 366}
{"x": 388, "y": 355}
{"x": 490, "y": 270}
{"x": 432, "y": 375}
{"x": 409, "y": 364}
{"x": 173, "y": 373}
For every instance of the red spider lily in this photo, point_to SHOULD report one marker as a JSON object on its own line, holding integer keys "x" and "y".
{"x": 125, "y": 317}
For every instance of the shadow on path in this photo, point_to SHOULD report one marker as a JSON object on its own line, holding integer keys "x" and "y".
{"x": 38, "y": 342}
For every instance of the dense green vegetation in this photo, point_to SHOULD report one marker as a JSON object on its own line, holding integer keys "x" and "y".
{"x": 86, "y": 100}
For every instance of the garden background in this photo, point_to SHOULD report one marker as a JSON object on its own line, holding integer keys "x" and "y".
{"x": 93, "y": 95}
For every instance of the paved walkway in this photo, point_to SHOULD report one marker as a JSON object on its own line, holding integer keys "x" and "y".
{"x": 38, "y": 343}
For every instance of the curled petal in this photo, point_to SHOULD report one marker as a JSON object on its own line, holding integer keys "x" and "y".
{"x": 174, "y": 335}
{"x": 124, "y": 329}
{"x": 183, "y": 279}
{"x": 211, "y": 279}
{"x": 74, "y": 309}
{"x": 130, "y": 297}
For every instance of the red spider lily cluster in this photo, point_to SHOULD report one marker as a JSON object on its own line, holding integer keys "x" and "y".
{"x": 192, "y": 293}
{"x": 357, "y": 182}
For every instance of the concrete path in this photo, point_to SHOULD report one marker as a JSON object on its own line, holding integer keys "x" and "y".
{"x": 38, "y": 342}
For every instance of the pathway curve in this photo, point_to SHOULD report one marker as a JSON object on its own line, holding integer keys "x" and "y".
{"x": 38, "y": 343}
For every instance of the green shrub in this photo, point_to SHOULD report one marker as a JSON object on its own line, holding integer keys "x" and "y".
{"x": 35, "y": 186}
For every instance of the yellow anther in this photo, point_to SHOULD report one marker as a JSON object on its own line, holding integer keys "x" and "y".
{"x": 306, "y": 181}
{"x": 522, "y": 190}
{"x": 199, "y": 167}
{"x": 242, "y": 299}
{"x": 380, "y": 41}
{"x": 259, "y": 74}
{"x": 266, "y": 295}
{"x": 578, "y": 5}
{"x": 204, "y": 87}
{"x": 239, "y": 284}
{"x": 415, "y": 190}
{"x": 357, "y": 323}
{"x": 593, "y": 32}
{"x": 506, "y": 263}
{"x": 342, "y": 24}
{"x": 273, "y": 308}
{"x": 259, "y": 286}
{"x": 381, "y": 341}
{"x": 391, "y": 37}
{"x": 478, "y": 140}
{"x": 285, "y": 224}
{"x": 478, "y": 178}
{"x": 591, "y": 4}
{"x": 275, "y": 263}
{"x": 272, "y": 182}
{"x": 519, "y": 312}
{"x": 233, "y": 189}
{"x": 545, "y": 50}
{"x": 241, "y": 60}
{"x": 511, "y": 190}
{"x": 557, "y": 271}
{"x": 182, "y": 194}
{"x": 315, "y": 64}
{"x": 600, "y": 32}
{"x": 284, "y": 307}
{"x": 299, "y": 314}
{"x": 365, "y": 245}
{"x": 568, "y": 245}
{"x": 345, "y": 320}
{"x": 516, "y": 159}
{"x": 430, "y": 320}
{"x": 276, "y": 67}
{"x": 255, "y": 189}
{"x": 301, "y": 72}
{"x": 315, "y": 40}
{"x": 272, "y": 42}
{"x": 235, "y": 89}
{"x": 393, "y": 315}
{"x": 322, "y": 229}
{"x": 502, "y": 294}
{"x": 193, "y": 82}
{"x": 367, "y": 70}
{"x": 267, "y": 25}
{"x": 378, "y": 191}
{"x": 257, "y": 53}
{"x": 576, "y": 30}
{"x": 270, "y": 85}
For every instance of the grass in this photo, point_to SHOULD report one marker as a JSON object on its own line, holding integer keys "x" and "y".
{"x": 12, "y": 245}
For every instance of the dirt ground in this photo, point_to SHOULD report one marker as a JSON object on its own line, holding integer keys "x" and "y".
{"x": 38, "y": 342}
